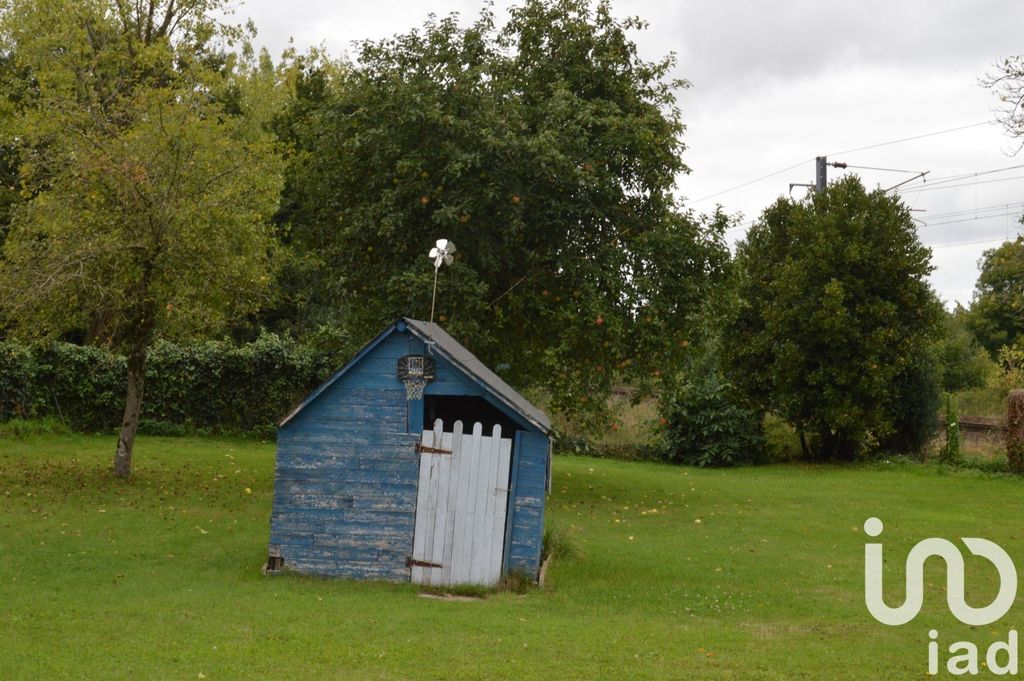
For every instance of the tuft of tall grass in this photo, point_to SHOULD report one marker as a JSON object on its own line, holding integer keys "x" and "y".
{"x": 24, "y": 428}
{"x": 557, "y": 544}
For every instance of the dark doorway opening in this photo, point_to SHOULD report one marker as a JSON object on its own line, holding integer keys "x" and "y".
{"x": 469, "y": 410}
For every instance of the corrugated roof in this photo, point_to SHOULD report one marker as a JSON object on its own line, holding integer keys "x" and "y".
{"x": 458, "y": 355}
{"x": 467, "y": 361}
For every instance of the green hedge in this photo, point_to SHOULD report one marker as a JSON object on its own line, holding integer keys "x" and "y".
{"x": 209, "y": 386}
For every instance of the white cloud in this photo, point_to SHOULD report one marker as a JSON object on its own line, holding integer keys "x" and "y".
{"x": 777, "y": 83}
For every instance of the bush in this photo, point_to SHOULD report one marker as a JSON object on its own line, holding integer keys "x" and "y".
{"x": 1011, "y": 368}
{"x": 1015, "y": 431}
{"x": 708, "y": 425}
{"x": 914, "y": 406}
{"x": 1007, "y": 375}
{"x": 17, "y": 372}
{"x": 962, "y": 363}
{"x": 82, "y": 386}
{"x": 194, "y": 388}
{"x": 565, "y": 443}
{"x": 781, "y": 441}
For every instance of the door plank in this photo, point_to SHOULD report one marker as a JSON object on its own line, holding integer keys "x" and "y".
{"x": 499, "y": 504}
{"x": 431, "y": 501}
{"x": 422, "y": 491}
{"x": 451, "y": 495}
{"x": 443, "y": 467}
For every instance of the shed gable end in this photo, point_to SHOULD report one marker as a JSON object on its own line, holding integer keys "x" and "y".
{"x": 346, "y": 476}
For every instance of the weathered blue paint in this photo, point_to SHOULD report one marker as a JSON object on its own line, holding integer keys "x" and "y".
{"x": 347, "y": 471}
{"x": 415, "y": 416}
{"x": 513, "y": 485}
{"x": 526, "y": 503}
{"x": 355, "y": 361}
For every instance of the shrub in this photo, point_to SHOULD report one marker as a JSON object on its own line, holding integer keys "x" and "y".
{"x": 17, "y": 376}
{"x": 1011, "y": 368}
{"x": 82, "y": 386}
{"x": 962, "y": 363}
{"x": 1015, "y": 431}
{"x": 165, "y": 428}
{"x": 190, "y": 388}
{"x": 781, "y": 442}
{"x": 914, "y": 406}
{"x": 708, "y": 425}
{"x": 990, "y": 400}
{"x": 565, "y": 443}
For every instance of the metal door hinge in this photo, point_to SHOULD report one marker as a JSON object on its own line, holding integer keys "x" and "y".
{"x": 413, "y": 562}
{"x": 424, "y": 449}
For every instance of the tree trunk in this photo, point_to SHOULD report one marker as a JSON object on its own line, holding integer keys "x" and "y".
{"x": 142, "y": 324}
{"x": 803, "y": 445}
{"x": 825, "y": 444}
{"x": 132, "y": 410}
{"x": 845, "y": 446}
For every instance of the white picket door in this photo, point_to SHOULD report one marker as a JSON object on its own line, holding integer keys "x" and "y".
{"x": 460, "y": 506}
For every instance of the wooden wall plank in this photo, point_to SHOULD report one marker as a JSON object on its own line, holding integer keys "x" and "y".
{"x": 527, "y": 506}
{"x": 334, "y": 436}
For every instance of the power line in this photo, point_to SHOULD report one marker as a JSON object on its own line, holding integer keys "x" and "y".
{"x": 966, "y": 243}
{"x": 963, "y": 215}
{"x": 963, "y": 184}
{"x": 910, "y": 139}
{"x": 975, "y": 211}
{"x": 977, "y": 173}
{"x": 844, "y": 166}
{"x": 848, "y": 151}
{"x": 750, "y": 182}
{"x": 943, "y": 181}
{"x": 960, "y": 216}
{"x": 980, "y": 217}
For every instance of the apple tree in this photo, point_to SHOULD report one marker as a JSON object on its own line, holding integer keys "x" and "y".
{"x": 146, "y": 205}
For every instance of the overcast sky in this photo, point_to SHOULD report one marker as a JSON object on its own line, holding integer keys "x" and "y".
{"x": 776, "y": 84}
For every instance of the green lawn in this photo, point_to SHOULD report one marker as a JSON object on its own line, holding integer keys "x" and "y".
{"x": 753, "y": 573}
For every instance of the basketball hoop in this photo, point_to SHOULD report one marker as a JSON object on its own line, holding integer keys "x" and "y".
{"x": 415, "y": 371}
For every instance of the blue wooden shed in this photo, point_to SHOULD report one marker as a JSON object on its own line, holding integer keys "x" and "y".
{"x": 414, "y": 461}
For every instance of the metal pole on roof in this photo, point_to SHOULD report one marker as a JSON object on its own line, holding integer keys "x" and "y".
{"x": 434, "y": 297}
{"x": 442, "y": 255}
